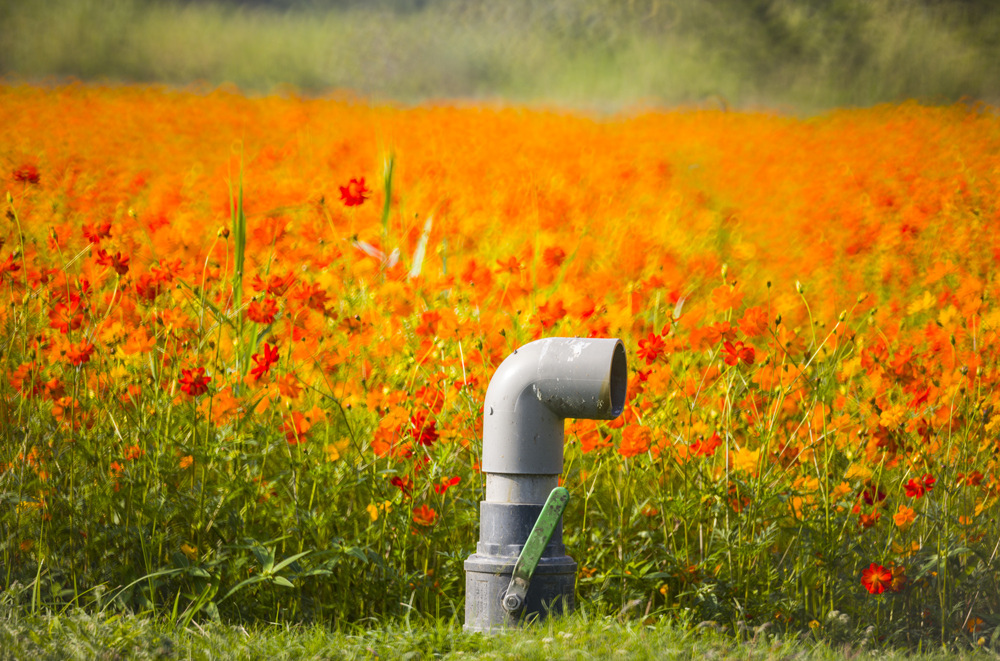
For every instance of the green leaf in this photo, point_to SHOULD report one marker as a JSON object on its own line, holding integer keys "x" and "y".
{"x": 264, "y": 556}
{"x": 284, "y": 563}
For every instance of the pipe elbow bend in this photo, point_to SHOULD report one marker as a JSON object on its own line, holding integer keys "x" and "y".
{"x": 540, "y": 385}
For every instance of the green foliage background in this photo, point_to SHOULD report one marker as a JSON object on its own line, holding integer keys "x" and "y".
{"x": 794, "y": 54}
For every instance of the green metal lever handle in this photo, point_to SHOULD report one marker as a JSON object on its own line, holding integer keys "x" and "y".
{"x": 535, "y": 545}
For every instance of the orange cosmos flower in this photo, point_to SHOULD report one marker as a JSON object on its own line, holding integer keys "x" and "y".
{"x": 722, "y": 331}
{"x": 295, "y": 428}
{"x": 904, "y": 517}
{"x": 78, "y": 354}
{"x": 635, "y": 440}
{"x": 512, "y": 265}
{"x": 67, "y": 315}
{"x": 754, "y": 321}
{"x": 725, "y": 297}
{"x": 262, "y": 312}
{"x": 424, "y": 516}
{"x": 354, "y": 193}
{"x": 289, "y": 386}
{"x": 876, "y": 579}
{"x": 553, "y": 257}
{"x": 898, "y": 577}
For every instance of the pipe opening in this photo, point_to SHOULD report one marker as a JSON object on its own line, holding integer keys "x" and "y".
{"x": 618, "y": 380}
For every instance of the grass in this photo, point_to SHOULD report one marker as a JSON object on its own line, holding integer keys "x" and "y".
{"x": 80, "y": 635}
{"x": 804, "y": 56}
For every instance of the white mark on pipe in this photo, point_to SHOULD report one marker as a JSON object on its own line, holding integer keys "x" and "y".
{"x": 576, "y": 349}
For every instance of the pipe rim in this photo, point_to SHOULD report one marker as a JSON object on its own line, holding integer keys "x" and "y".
{"x": 618, "y": 379}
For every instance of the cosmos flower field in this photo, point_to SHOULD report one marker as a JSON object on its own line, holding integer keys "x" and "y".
{"x": 246, "y": 342}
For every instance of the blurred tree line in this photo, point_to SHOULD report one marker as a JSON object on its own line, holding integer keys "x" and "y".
{"x": 798, "y": 29}
{"x": 808, "y": 53}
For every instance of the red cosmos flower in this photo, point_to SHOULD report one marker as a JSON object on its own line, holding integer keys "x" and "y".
{"x": 353, "y": 194}
{"x": 550, "y": 312}
{"x": 973, "y": 479}
{"x": 10, "y": 266}
{"x": 706, "y": 448}
{"x": 149, "y": 286}
{"x": 262, "y": 312}
{"x": 423, "y": 430}
{"x": 94, "y": 233}
{"x": 917, "y": 487}
{"x": 264, "y": 360}
{"x": 876, "y": 579}
{"x": 313, "y": 296}
{"x": 403, "y": 484}
{"x": 194, "y": 382}
{"x": 275, "y": 285}
{"x": 27, "y": 174}
{"x": 116, "y": 261}
{"x": 651, "y": 348}
{"x": 446, "y": 483}
{"x": 872, "y": 494}
{"x": 734, "y": 353}
{"x": 869, "y": 520}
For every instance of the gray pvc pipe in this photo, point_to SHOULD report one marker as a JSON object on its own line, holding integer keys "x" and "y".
{"x": 532, "y": 393}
